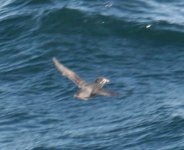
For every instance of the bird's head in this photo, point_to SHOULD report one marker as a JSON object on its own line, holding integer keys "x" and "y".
{"x": 101, "y": 81}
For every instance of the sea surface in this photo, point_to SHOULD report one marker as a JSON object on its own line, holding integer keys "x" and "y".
{"x": 137, "y": 44}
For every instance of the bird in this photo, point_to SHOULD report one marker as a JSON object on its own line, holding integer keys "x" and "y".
{"x": 86, "y": 90}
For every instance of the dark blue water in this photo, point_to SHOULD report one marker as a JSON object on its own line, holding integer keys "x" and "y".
{"x": 137, "y": 44}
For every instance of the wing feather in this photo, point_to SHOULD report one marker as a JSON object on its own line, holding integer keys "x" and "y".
{"x": 68, "y": 73}
{"x": 105, "y": 92}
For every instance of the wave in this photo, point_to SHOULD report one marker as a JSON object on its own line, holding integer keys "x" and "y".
{"x": 75, "y": 21}
{"x": 44, "y": 148}
{"x": 72, "y": 21}
{"x": 22, "y": 3}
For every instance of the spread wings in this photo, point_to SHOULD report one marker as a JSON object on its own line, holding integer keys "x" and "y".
{"x": 105, "y": 92}
{"x": 68, "y": 73}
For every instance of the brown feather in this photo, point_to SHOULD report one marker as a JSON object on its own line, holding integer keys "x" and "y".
{"x": 68, "y": 73}
{"x": 105, "y": 92}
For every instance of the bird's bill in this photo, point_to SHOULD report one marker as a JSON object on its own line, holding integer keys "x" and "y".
{"x": 105, "y": 80}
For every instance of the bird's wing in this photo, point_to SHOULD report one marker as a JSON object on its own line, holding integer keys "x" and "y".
{"x": 105, "y": 92}
{"x": 68, "y": 73}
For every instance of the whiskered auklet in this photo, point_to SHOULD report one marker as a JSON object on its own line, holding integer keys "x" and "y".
{"x": 86, "y": 90}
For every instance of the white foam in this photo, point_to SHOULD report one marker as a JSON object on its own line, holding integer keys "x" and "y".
{"x": 148, "y": 26}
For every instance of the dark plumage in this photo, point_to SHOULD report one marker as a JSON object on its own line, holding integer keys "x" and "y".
{"x": 86, "y": 90}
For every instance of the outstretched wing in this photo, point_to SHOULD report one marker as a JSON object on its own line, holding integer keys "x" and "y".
{"x": 105, "y": 92}
{"x": 68, "y": 73}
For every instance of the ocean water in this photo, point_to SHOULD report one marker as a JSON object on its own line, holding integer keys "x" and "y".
{"x": 137, "y": 44}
